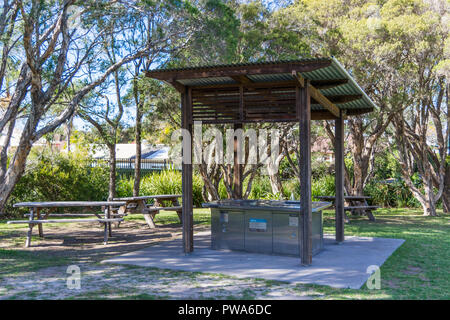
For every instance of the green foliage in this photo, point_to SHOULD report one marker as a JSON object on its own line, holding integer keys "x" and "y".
{"x": 386, "y": 166}
{"x": 321, "y": 186}
{"x": 324, "y": 185}
{"x": 59, "y": 177}
{"x": 261, "y": 189}
{"x": 164, "y": 182}
{"x": 394, "y": 194}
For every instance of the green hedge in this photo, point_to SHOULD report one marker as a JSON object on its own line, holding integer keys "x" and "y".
{"x": 321, "y": 186}
{"x": 59, "y": 177}
{"x": 163, "y": 182}
{"x": 395, "y": 194}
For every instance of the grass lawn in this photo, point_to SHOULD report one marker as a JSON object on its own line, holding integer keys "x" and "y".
{"x": 419, "y": 269}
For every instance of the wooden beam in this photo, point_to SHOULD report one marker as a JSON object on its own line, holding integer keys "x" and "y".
{"x": 241, "y": 103}
{"x": 237, "y": 173}
{"x": 253, "y": 85}
{"x": 339, "y": 178}
{"x": 242, "y": 79}
{"x": 178, "y": 86}
{"x": 354, "y": 112}
{"x": 344, "y": 98}
{"x": 305, "y": 227}
{"x": 315, "y": 115}
{"x": 229, "y": 71}
{"x": 322, "y": 115}
{"x": 327, "y": 84}
{"x": 316, "y": 95}
{"x": 299, "y": 79}
{"x": 186, "y": 181}
{"x": 320, "y": 98}
{"x": 318, "y": 84}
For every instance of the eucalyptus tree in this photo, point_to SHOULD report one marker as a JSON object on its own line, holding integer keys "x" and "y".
{"x": 422, "y": 129}
{"x": 105, "y": 113}
{"x": 393, "y": 49}
{"x": 241, "y": 34}
{"x": 353, "y": 32}
{"x": 47, "y": 45}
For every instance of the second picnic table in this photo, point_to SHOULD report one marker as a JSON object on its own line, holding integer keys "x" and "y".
{"x": 356, "y": 204}
{"x": 139, "y": 205}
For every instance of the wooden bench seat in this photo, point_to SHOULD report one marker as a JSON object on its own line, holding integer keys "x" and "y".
{"x": 101, "y": 220}
{"x": 75, "y": 215}
{"x": 174, "y": 208}
{"x": 361, "y": 207}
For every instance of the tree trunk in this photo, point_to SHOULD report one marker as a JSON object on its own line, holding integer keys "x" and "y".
{"x": 429, "y": 206}
{"x": 137, "y": 163}
{"x": 15, "y": 170}
{"x": 112, "y": 172}
{"x": 69, "y": 127}
{"x": 361, "y": 143}
{"x": 4, "y": 151}
{"x": 446, "y": 193}
{"x": 275, "y": 183}
{"x": 209, "y": 185}
{"x": 274, "y": 175}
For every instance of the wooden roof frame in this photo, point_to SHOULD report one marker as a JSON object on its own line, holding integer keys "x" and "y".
{"x": 240, "y": 73}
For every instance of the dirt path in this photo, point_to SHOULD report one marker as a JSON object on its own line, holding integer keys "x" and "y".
{"x": 125, "y": 282}
{"x": 82, "y": 245}
{"x": 85, "y": 241}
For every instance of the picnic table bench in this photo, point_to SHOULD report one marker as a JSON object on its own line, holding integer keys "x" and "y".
{"x": 36, "y": 207}
{"x": 357, "y": 205}
{"x": 139, "y": 205}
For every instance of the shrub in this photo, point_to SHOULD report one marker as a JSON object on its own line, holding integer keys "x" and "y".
{"x": 324, "y": 186}
{"x": 261, "y": 189}
{"x": 395, "y": 194}
{"x": 60, "y": 177}
{"x": 163, "y": 182}
{"x": 319, "y": 187}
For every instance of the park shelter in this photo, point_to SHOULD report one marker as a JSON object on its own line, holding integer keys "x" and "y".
{"x": 279, "y": 91}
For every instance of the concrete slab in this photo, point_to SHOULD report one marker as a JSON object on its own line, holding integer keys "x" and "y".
{"x": 338, "y": 265}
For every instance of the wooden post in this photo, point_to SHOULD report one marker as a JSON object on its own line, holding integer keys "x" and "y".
{"x": 38, "y": 216}
{"x": 339, "y": 178}
{"x": 187, "y": 211}
{"x": 148, "y": 216}
{"x": 305, "y": 227}
{"x": 237, "y": 177}
{"x": 30, "y": 228}
{"x": 176, "y": 203}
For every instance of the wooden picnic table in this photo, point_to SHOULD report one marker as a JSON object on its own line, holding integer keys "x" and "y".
{"x": 357, "y": 205}
{"x": 36, "y": 207}
{"x": 139, "y": 205}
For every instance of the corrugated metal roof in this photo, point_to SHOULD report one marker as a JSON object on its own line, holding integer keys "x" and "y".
{"x": 334, "y": 71}
{"x": 270, "y": 77}
{"x": 207, "y": 81}
{"x": 244, "y": 64}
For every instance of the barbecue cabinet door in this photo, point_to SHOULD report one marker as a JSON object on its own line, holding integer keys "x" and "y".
{"x": 231, "y": 230}
{"x": 258, "y": 231}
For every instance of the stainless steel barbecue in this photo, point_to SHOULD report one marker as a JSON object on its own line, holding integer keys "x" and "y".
{"x": 263, "y": 226}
